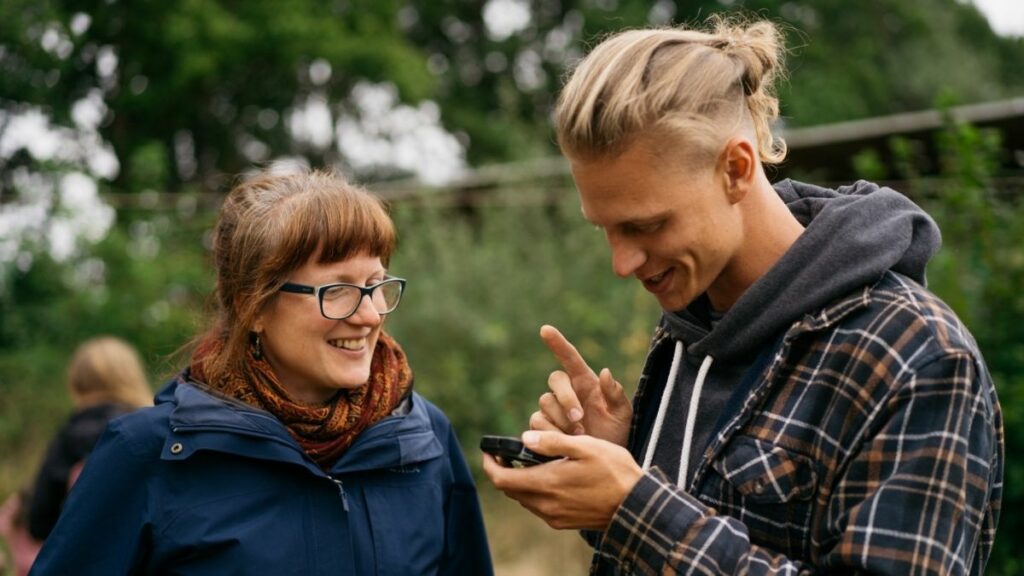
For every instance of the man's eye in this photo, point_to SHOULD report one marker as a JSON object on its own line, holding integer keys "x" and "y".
{"x": 646, "y": 228}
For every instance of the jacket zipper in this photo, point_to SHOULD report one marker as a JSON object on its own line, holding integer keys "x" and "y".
{"x": 341, "y": 491}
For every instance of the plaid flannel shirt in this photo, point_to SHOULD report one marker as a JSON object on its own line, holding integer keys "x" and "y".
{"x": 867, "y": 440}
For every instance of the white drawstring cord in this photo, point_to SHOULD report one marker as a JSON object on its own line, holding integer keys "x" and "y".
{"x": 691, "y": 420}
{"x": 666, "y": 395}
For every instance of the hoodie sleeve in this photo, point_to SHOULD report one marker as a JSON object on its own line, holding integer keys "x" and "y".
{"x": 934, "y": 451}
{"x": 101, "y": 529}
{"x": 467, "y": 551}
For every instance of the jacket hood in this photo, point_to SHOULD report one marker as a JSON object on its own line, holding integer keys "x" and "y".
{"x": 210, "y": 422}
{"x": 853, "y": 235}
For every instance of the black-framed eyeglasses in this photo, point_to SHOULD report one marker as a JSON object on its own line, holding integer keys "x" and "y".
{"x": 339, "y": 301}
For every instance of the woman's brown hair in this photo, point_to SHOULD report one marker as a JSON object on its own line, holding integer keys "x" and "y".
{"x": 269, "y": 226}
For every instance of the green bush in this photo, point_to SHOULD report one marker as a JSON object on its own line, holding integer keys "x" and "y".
{"x": 480, "y": 288}
{"x": 980, "y": 272}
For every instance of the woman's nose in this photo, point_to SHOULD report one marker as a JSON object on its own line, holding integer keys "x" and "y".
{"x": 366, "y": 313}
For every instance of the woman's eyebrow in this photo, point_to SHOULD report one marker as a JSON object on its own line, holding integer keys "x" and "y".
{"x": 351, "y": 279}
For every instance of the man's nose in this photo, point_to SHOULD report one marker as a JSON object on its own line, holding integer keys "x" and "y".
{"x": 627, "y": 257}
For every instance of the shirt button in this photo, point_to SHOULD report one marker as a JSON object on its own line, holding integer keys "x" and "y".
{"x": 176, "y": 448}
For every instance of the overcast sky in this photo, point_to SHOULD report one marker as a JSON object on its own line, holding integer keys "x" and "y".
{"x": 1005, "y": 16}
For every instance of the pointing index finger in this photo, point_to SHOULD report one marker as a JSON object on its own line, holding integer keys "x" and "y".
{"x": 565, "y": 352}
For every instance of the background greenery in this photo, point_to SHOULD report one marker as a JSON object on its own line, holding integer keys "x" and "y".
{"x": 486, "y": 267}
{"x": 227, "y": 73}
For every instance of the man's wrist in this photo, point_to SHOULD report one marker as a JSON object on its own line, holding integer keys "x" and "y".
{"x": 627, "y": 484}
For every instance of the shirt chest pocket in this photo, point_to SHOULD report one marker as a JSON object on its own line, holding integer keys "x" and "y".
{"x": 768, "y": 488}
{"x": 408, "y": 527}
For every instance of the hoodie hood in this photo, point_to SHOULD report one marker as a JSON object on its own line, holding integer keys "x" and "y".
{"x": 853, "y": 235}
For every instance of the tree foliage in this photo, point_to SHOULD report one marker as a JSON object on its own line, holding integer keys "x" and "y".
{"x": 208, "y": 85}
{"x": 979, "y": 272}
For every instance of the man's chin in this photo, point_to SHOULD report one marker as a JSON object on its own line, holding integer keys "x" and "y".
{"x": 674, "y": 303}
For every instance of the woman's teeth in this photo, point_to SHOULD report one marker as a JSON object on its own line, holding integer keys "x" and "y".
{"x": 348, "y": 344}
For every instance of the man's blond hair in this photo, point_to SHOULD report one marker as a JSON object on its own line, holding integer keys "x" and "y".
{"x": 696, "y": 87}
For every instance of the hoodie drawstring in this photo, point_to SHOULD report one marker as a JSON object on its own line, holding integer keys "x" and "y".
{"x": 691, "y": 420}
{"x": 691, "y": 414}
{"x": 670, "y": 385}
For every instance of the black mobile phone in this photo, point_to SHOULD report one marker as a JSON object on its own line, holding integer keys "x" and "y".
{"x": 511, "y": 453}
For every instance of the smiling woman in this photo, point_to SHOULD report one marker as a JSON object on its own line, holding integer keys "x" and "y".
{"x": 293, "y": 443}
{"x": 345, "y": 363}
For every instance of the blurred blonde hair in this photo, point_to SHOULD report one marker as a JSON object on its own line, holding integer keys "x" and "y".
{"x": 269, "y": 226}
{"x": 695, "y": 87}
{"x": 108, "y": 369}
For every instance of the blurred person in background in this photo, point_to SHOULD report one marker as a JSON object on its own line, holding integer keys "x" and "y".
{"x": 105, "y": 380}
{"x": 293, "y": 442}
{"x": 807, "y": 405}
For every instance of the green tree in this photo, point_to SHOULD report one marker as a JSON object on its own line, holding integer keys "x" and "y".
{"x": 846, "y": 61}
{"x": 204, "y": 85}
{"x": 208, "y": 85}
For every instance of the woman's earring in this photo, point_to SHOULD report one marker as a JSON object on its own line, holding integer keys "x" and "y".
{"x": 257, "y": 348}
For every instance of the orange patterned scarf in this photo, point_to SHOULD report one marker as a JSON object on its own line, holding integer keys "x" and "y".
{"x": 327, "y": 430}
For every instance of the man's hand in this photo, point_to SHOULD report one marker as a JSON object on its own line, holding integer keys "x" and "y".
{"x": 580, "y": 491}
{"x": 580, "y": 401}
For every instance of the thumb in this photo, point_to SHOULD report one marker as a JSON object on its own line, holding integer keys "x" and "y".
{"x": 612, "y": 391}
{"x": 555, "y": 443}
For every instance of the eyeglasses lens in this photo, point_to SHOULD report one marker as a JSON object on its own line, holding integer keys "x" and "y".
{"x": 342, "y": 301}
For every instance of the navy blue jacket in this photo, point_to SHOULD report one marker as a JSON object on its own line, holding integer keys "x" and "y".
{"x": 199, "y": 485}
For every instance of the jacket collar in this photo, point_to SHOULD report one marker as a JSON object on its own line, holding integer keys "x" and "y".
{"x": 202, "y": 421}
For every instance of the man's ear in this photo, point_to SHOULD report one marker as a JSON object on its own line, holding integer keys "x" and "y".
{"x": 738, "y": 166}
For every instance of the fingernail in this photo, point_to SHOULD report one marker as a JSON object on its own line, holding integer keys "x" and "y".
{"x": 575, "y": 415}
{"x": 531, "y": 438}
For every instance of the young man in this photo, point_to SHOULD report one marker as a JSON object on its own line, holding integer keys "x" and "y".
{"x": 807, "y": 405}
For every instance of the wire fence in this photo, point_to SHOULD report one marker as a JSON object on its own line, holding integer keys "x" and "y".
{"x": 531, "y": 183}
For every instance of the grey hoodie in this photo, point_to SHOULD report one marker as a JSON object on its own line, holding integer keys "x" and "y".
{"x": 853, "y": 235}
